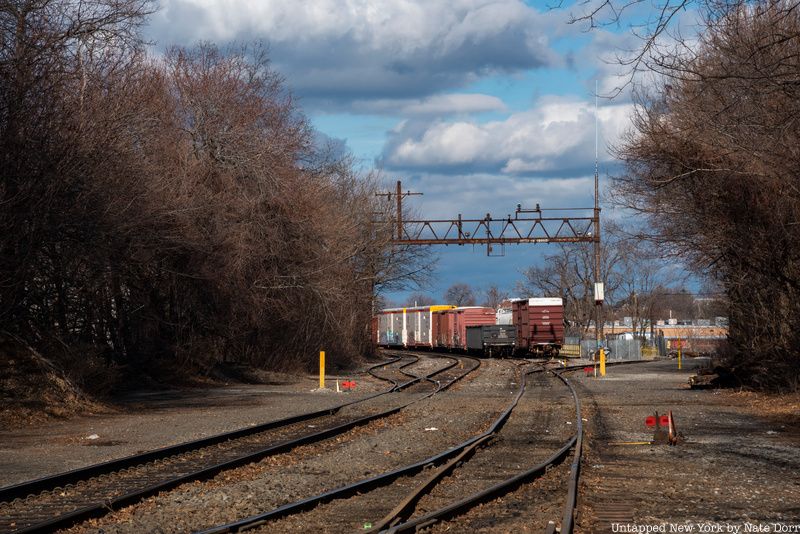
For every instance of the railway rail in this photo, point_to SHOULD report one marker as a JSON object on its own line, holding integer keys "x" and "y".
{"x": 500, "y": 472}
{"x": 438, "y": 466}
{"x": 386, "y": 484}
{"x": 62, "y": 500}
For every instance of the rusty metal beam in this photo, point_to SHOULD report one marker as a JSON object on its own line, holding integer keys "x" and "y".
{"x": 508, "y": 231}
{"x": 517, "y": 230}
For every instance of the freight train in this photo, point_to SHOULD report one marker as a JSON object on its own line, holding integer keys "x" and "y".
{"x": 531, "y": 327}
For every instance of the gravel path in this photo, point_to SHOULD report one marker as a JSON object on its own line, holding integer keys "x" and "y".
{"x": 736, "y": 466}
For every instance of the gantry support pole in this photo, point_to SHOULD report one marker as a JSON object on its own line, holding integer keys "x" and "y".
{"x": 399, "y": 210}
{"x": 598, "y": 302}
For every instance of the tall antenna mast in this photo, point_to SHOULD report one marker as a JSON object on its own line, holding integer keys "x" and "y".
{"x": 595, "y": 136}
{"x": 598, "y": 284}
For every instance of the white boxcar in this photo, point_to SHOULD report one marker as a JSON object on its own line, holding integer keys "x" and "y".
{"x": 409, "y": 327}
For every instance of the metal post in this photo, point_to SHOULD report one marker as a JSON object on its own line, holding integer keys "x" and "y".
{"x": 322, "y": 369}
{"x": 602, "y": 362}
{"x": 597, "y": 273}
{"x": 399, "y": 210}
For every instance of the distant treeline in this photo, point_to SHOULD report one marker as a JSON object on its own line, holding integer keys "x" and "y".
{"x": 173, "y": 210}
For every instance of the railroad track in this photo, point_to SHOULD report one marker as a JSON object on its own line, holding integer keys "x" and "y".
{"x": 435, "y": 468}
{"x": 407, "y": 485}
{"x": 62, "y": 500}
{"x": 517, "y": 473}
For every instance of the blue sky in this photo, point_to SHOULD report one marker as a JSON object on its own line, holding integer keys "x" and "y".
{"x": 479, "y": 104}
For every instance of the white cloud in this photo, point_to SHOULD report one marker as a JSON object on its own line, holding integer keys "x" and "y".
{"x": 557, "y": 134}
{"x": 351, "y": 49}
{"x": 473, "y": 196}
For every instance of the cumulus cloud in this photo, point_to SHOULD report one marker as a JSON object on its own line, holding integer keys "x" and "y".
{"x": 344, "y": 50}
{"x": 473, "y": 196}
{"x": 556, "y": 136}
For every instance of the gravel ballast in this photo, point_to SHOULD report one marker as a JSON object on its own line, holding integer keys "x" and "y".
{"x": 151, "y": 420}
{"x": 736, "y": 466}
{"x": 362, "y": 452}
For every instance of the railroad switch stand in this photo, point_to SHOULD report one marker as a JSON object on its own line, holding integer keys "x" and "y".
{"x": 664, "y": 431}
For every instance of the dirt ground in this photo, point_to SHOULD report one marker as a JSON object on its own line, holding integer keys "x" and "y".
{"x": 150, "y": 420}
{"x": 737, "y": 467}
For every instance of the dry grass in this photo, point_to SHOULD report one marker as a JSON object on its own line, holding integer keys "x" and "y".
{"x": 780, "y": 410}
{"x": 33, "y": 389}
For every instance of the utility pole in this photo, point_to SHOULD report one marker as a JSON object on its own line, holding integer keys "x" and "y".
{"x": 399, "y": 196}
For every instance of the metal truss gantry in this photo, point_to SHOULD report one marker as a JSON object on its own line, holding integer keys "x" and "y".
{"x": 525, "y": 226}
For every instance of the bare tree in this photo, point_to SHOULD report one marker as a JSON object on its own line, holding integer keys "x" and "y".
{"x": 720, "y": 136}
{"x": 420, "y": 299}
{"x": 174, "y": 211}
{"x": 493, "y": 297}
{"x": 58, "y": 60}
{"x": 460, "y": 294}
{"x": 569, "y": 274}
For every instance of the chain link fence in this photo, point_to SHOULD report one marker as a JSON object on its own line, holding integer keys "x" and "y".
{"x": 617, "y": 349}
{"x": 624, "y": 349}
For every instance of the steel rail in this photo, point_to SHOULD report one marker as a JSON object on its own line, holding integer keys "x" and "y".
{"x": 32, "y": 487}
{"x": 103, "y": 507}
{"x": 503, "y": 487}
{"x": 568, "y": 519}
{"x": 487, "y": 494}
{"x": 412, "y": 498}
{"x": 570, "y": 505}
{"x": 372, "y": 482}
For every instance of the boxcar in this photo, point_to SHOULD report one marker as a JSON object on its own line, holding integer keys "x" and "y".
{"x": 408, "y": 327}
{"x": 539, "y": 323}
{"x": 454, "y": 323}
{"x": 391, "y": 327}
{"x": 491, "y": 340}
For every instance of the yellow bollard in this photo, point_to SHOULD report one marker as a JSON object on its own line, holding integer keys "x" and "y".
{"x": 602, "y": 362}
{"x": 322, "y": 369}
{"x": 679, "y": 354}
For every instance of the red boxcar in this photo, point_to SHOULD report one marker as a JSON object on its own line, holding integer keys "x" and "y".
{"x": 540, "y": 325}
{"x": 443, "y": 321}
{"x": 453, "y": 324}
